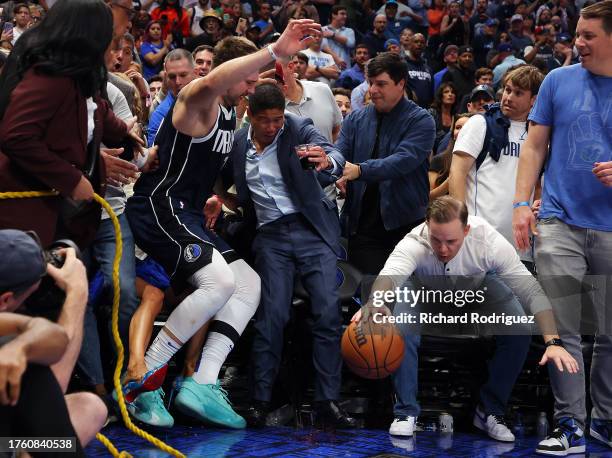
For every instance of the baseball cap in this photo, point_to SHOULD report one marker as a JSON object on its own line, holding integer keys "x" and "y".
{"x": 481, "y": 89}
{"x": 491, "y": 22}
{"x": 391, "y": 3}
{"x": 22, "y": 263}
{"x": 504, "y": 47}
{"x": 464, "y": 49}
{"x": 391, "y": 41}
{"x": 449, "y": 49}
{"x": 516, "y": 17}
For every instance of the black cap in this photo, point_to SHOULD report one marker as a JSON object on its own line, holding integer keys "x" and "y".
{"x": 481, "y": 89}
{"x": 22, "y": 263}
{"x": 464, "y": 49}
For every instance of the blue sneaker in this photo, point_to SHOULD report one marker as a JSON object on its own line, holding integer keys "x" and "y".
{"x": 602, "y": 431}
{"x": 207, "y": 403}
{"x": 566, "y": 438}
{"x": 148, "y": 408}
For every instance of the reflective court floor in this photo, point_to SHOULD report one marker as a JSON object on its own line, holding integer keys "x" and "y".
{"x": 290, "y": 442}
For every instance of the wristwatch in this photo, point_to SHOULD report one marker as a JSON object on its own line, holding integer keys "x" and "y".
{"x": 554, "y": 342}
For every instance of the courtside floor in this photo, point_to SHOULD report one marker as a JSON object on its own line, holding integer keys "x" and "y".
{"x": 204, "y": 442}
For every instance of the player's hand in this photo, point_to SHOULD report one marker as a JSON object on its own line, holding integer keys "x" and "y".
{"x": 561, "y": 358}
{"x": 298, "y": 35}
{"x": 522, "y": 222}
{"x": 212, "y": 210}
{"x": 152, "y": 162}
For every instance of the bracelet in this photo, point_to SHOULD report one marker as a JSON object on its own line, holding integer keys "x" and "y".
{"x": 521, "y": 204}
{"x": 272, "y": 53}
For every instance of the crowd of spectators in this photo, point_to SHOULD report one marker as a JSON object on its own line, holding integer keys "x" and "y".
{"x": 456, "y": 58}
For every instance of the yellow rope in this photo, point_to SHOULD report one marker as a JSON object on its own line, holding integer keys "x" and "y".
{"x": 115, "y": 327}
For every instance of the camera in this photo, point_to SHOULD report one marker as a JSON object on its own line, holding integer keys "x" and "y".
{"x": 48, "y": 299}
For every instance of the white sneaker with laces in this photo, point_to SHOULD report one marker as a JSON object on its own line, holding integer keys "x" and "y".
{"x": 494, "y": 425}
{"x": 403, "y": 426}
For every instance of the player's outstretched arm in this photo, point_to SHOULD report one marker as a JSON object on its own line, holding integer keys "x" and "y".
{"x": 195, "y": 113}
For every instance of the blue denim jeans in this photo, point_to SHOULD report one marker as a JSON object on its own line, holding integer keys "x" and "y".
{"x": 102, "y": 250}
{"x": 503, "y": 368}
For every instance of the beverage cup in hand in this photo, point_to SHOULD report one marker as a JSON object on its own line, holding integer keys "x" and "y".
{"x": 302, "y": 153}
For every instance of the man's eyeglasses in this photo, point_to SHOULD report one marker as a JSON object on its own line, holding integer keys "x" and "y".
{"x": 130, "y": 11}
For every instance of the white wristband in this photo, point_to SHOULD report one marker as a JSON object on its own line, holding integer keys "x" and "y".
{"x": 271, "y": 51}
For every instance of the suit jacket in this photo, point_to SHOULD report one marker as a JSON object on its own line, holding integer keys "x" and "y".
{"x": 306, "y": 191}
{"x": 43, "y": 143}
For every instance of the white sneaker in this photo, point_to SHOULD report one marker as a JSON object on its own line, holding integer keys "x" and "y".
{"x": 402, "y": 426}
{"x": 494, "y": 425}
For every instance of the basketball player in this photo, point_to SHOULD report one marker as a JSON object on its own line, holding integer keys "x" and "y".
{"x": 451, "y": 244}
{"x": 166, "y": 216}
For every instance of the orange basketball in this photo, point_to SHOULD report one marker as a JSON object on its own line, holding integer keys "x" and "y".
{"x": 372, "y": 350}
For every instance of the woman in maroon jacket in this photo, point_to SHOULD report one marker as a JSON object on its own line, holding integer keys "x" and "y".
{"x": 53, "y": 120}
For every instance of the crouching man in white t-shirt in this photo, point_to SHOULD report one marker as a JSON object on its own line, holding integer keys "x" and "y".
{"x": 487, "y": 186}
{"x": 451, "y": 248}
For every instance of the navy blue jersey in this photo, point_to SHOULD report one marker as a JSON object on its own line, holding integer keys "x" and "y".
{"x": 188, "y": 166}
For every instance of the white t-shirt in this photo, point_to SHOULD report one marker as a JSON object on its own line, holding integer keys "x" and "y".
{"x": 320, "y": 59}
{"x": 490, "y": 190}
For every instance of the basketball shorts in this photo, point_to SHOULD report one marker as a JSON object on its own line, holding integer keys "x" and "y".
{"x": 176, "y": 238}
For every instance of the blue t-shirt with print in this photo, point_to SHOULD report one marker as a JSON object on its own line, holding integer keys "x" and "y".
{"x": 578, "y": 106}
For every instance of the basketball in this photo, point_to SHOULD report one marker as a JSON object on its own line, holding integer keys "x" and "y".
{"x": 372, "y": 350}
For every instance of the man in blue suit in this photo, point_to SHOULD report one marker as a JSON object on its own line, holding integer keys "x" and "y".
{"x": 297, "y": 233}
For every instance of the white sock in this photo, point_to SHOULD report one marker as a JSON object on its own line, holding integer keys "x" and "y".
{"x": 161, "y": 351}
{"x": 214, "y": 353}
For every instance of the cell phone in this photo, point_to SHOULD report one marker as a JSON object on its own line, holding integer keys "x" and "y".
{"x": 7, "y": 27}
{"x": 226, "y": 17}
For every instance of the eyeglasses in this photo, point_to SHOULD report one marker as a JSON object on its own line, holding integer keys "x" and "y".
{"x": 130, "y": 11}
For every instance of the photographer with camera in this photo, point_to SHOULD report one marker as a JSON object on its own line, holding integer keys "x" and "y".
{"x": 37, "y": 357}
